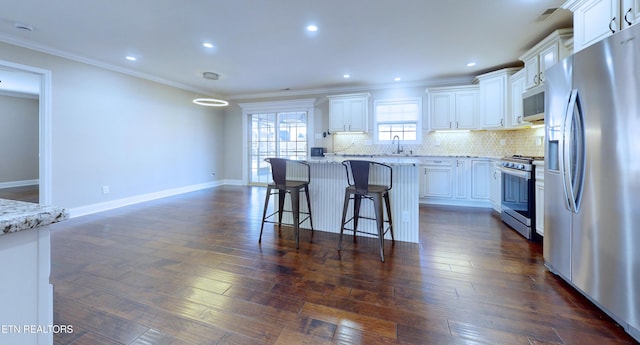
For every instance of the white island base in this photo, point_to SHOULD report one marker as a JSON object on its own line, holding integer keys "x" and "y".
{"x": 327, "y": 187}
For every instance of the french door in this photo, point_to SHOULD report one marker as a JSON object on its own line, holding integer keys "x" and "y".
{"x": 275, "y": 134}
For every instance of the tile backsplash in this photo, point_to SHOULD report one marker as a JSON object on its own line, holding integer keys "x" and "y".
{"x": 474, "y": 143}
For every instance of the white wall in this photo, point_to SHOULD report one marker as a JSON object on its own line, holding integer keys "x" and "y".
{"x": 18, "y": 139}
{"x": 136, "y": 136}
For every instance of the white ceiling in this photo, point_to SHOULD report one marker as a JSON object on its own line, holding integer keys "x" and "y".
{"x": 262, "y": 47}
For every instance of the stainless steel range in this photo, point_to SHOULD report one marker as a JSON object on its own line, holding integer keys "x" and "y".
{"x": 518, "y": 194}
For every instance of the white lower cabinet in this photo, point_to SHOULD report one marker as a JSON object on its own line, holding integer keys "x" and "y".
{"x": 436, "y": 179}
{"x": 495, "y": 181}
{"x": 480, "y": 179}
{"x": 455, "y": 181}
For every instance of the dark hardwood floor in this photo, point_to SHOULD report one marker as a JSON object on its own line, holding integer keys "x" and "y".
{"x": 25, "y": 193}
{"x": 189, "y": 270}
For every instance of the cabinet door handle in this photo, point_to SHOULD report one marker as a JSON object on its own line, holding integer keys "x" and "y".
{"x": 540, "y": 77}
{"x": 625, "y": 16}
{"x": 449, "y": 124}
{"x": 501, "y": 122}
{"x": 457, "y": 126}
{"x": 611, "y": 28}
{"x": 535, "y": 79}
{"x": 519, "y": 119}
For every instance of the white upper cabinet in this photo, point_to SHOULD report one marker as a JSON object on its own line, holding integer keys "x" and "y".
{"x": 515, "y": 120}
{"x": 594, "y": 20}
{"x": 543, "y": 55}
{"x": 348, "y": 113}
{"x": 453, "y": 108}
{"x": 495, "y": 98}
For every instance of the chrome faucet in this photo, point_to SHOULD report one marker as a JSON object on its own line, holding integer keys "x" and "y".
{"x": 398, "y": 150}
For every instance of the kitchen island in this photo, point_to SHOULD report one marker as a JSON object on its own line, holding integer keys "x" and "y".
{"x": 26, "y": 296}
{"x": 327, "y": 187}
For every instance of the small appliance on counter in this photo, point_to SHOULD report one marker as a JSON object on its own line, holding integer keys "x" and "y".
{"x": 318, "y": 151}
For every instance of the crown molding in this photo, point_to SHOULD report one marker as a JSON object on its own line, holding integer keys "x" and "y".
{"x": 353, "y": 89}
{"x": 237, "y": 97}
{"x": 74, "y": 57}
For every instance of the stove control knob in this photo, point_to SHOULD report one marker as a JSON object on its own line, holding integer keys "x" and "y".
{"x": 520, "y": 166}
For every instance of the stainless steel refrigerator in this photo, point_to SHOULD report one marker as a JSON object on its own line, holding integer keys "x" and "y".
{"x": 592, "y": 174}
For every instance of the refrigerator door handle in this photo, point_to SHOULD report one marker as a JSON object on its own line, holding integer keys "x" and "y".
{"x": 566, "y": 152}
{"x": 574, "y": 156}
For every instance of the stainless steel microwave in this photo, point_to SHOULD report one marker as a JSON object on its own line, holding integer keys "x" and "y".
{"x": 533, "y": 104}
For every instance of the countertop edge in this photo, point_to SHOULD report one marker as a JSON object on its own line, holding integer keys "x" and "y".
{"x": 18, "y": 216}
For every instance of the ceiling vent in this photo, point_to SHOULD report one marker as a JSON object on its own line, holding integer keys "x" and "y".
{"x": 24, "y": 27}
{"x": 548, "y": 12}
{"x": 210, "y": 75}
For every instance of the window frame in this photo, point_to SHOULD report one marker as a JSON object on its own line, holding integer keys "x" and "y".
{"x": 404, "y": 100}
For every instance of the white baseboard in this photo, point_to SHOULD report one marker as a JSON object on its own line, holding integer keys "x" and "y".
{"x": 451, "y": 202}
{"x": 19, "y": 183}
{"x": 113, "y": 204}
{"x": 233, "y": 182}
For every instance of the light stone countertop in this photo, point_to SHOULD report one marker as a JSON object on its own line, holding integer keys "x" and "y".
{"x": 393, "y": 160}
{"x": 19, "y": 215}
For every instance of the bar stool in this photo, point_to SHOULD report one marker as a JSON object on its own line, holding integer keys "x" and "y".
{"x": 359, "y": 188}
{"x": 283, "y": 186}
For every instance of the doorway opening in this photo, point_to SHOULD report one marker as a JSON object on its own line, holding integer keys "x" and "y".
{"x": 35, "y": 82}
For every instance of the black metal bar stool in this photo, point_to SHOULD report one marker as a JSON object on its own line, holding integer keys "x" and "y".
{"x": 359, "y": 188}
{"x": 283, "y": 186}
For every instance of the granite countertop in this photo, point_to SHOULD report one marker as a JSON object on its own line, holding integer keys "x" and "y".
{"x": 390, "y": 159}
{"x": 19, "y": 215}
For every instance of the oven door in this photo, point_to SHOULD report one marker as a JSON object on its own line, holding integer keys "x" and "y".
{"x": 516, "y": 196}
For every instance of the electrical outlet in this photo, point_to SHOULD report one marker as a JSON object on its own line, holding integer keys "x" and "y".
{"x": 105, "y": 190}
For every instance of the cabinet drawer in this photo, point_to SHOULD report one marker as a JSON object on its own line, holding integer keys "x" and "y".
{"x": 437, "y": 162}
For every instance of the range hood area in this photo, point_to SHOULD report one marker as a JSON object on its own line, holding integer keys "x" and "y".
{"x": 533, "y": 105}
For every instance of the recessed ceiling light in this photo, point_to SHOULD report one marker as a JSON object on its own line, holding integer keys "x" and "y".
{"x": 397, "y": 79}
{"x": 346, "y": 76}
{"x": 471, "y": 64}
{"x": 131, "y": 58}
{"x": 312, "y": 28}
{"x": 207, "y": 45}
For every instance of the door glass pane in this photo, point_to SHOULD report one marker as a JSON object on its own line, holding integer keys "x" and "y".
{"x": 263, "y": 145}
{"x": 282, "y": 135}
{"x": 292, "y": 129}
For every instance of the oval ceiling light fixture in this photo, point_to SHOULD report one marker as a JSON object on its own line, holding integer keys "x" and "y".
{"x": 471, "y": 64}
{"x": 397, "y": 79}
{"x": 312, "y": 28}
{"x": 207, "y": 45}
{"x": 211, "y": 102}
{"x": 131, "y": 58}
{"x": 346, "y": 76}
